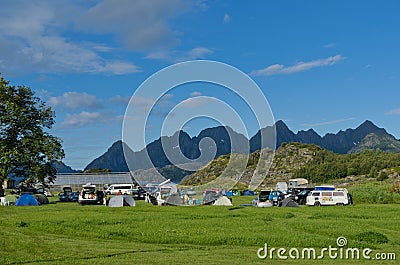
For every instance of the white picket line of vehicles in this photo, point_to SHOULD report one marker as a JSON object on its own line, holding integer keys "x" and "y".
{"x": 299, "y": 191}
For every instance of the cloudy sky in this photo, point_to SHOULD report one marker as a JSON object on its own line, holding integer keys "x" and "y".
{"x": 327, "y": 65}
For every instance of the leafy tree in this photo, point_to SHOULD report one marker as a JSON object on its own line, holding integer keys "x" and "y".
{"x": 98, "y": 170}
{"x": 26, "y": 148}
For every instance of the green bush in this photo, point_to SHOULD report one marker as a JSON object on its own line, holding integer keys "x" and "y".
{"x": 372, "y": 237}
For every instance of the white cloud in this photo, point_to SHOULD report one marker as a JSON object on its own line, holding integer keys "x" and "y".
{"x": 227, "y": 18}
{"x": 330, "y": 45}
{"x": 75, "y": 100}
{"x": 81, "y": 119}
{"x": 393, "y": 112}
{"x": 277, "y": 69}
{"x": 139, "y": 24}
{"x": 197, "y": 53}
{"x": 120, "y": 99}
{"x": 327, "y": 122}
{"x": 180, "y": 56}
{"x": 31, "y": 40}
{"x": 195, "y": 94}
{"x": 196, "y": 102}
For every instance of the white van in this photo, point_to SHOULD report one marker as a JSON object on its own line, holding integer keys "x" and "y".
{"x": 124, "y": 188}
{"x": 328, "y": 197}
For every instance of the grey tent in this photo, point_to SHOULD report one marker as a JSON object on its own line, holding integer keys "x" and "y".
{"x": 289, "y": 203}
{"x": 174, "y": 199}
{"x": 121, "y": 200}
{"x": 223, "y": 201}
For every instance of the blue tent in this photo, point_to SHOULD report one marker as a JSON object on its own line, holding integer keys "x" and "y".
{"x": 248, "y": 193}
{"x": 26, "y": 200}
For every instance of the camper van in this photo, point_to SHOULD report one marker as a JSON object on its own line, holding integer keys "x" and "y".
{"x": 328, "y": 197}
{"x": 124, "y": 188}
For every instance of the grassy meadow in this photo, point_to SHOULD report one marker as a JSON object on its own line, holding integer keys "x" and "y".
{"x": 65, "y": 233}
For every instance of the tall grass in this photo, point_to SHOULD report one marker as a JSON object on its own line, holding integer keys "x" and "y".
{"x": 374, "y": 192}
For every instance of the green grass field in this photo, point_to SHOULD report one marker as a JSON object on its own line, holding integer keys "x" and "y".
{"x": 65, "y": 233}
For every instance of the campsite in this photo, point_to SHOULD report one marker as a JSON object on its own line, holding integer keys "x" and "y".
{"x": 68, "y": 233}
{"x": 199, "y": 132}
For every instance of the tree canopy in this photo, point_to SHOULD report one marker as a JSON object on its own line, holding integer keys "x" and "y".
{"x": 26, "y": 147}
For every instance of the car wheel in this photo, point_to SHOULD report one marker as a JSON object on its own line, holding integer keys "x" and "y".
{"x": 340, "y": 204}
{"x": 317, "y": 204}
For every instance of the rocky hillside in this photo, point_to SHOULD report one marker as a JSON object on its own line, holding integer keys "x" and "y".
{"x": 374, "y": 141}
{"x": 287, "y": 160}
{"x": 295, "y": 160}
{"x": 63, "y": 168}
{"x": 113, "y": 159}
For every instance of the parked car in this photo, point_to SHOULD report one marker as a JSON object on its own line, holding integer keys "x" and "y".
{"x": 122, "y": 188}
{"x": 275, "y": 197}
{"x": 73, "y": 196}
{"x": 138, "y": 193}
{"x": 63, "y": 195}
{"x": 262, "y": 200}
{"x": 90, "y": 195}
{"x": 259, "y": 203}
{"x": 302, "y": 197}
{"x": 299, "y": 197}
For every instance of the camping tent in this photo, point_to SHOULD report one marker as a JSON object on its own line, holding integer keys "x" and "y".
{"x": 174, "y": 199}
{"x": 121, "y": 200}
{"x": 41, "y": 199}
{"x": 289, "y": 203}
{"x": 223, "y": 201}
{"x": 26, "y": 200}
{"x": 248, "y": 193}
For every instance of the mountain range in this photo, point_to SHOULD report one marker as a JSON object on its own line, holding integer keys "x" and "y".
{"x": 365, "y": 136}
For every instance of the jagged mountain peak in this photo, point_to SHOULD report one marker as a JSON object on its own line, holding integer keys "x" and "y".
{"x": 341, "y": 142}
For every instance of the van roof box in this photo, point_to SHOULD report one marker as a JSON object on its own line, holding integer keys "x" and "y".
{"x": 325, "y": 187}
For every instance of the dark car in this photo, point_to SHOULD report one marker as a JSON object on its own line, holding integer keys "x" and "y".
{"x": 63, "y": 196}
{"x": 300, "y": 197}
{"x": 73, "y": 196}
{"x": 138, "y": 193}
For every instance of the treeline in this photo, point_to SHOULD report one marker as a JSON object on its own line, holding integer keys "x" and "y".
{"x": 328, "y": 166}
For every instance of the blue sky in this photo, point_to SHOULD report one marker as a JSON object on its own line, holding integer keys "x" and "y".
{"x": 327, "y": 65}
